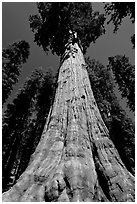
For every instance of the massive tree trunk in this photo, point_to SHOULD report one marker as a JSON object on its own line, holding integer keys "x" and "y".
{"x": 75, "y": 159}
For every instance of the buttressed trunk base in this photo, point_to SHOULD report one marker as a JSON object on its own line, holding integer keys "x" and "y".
{"x": 75, "y": 159}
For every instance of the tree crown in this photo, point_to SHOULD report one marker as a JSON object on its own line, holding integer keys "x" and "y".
{"x": 54, "y": 20}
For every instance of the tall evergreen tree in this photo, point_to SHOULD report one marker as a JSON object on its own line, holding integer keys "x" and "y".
{"x": 75, "y": 159}
{"x": 12, "y": 59}
{"x": 124, "y": 74}
{"x": 23, "y": 125}
{"x": 121, "y": 127}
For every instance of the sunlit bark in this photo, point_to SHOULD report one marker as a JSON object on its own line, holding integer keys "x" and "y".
{"x": 75, "y": 159}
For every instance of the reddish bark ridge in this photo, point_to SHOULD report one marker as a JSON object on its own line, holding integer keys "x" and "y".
{"x": 75, "y": 159}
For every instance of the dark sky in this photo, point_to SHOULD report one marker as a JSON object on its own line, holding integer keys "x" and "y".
{"x": 15, "y": 26}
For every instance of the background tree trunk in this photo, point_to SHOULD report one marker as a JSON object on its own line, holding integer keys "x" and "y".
{"x": 75, "y": 159}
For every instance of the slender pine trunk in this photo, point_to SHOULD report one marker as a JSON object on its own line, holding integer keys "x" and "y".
{"x": 75, "y": 159}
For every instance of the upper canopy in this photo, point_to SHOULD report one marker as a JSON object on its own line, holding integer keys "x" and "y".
{"x": 54, "y": 20}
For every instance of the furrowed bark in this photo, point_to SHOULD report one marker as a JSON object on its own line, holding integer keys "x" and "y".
{"x": 75, "y": 159}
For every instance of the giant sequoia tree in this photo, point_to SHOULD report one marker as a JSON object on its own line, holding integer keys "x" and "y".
{"x": 75, "y": 159}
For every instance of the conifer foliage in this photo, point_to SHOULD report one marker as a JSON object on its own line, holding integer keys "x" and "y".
{"x": 118, "y": 11}
{"x": 124, "y": 74}
{"x": 12, "y": 58}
